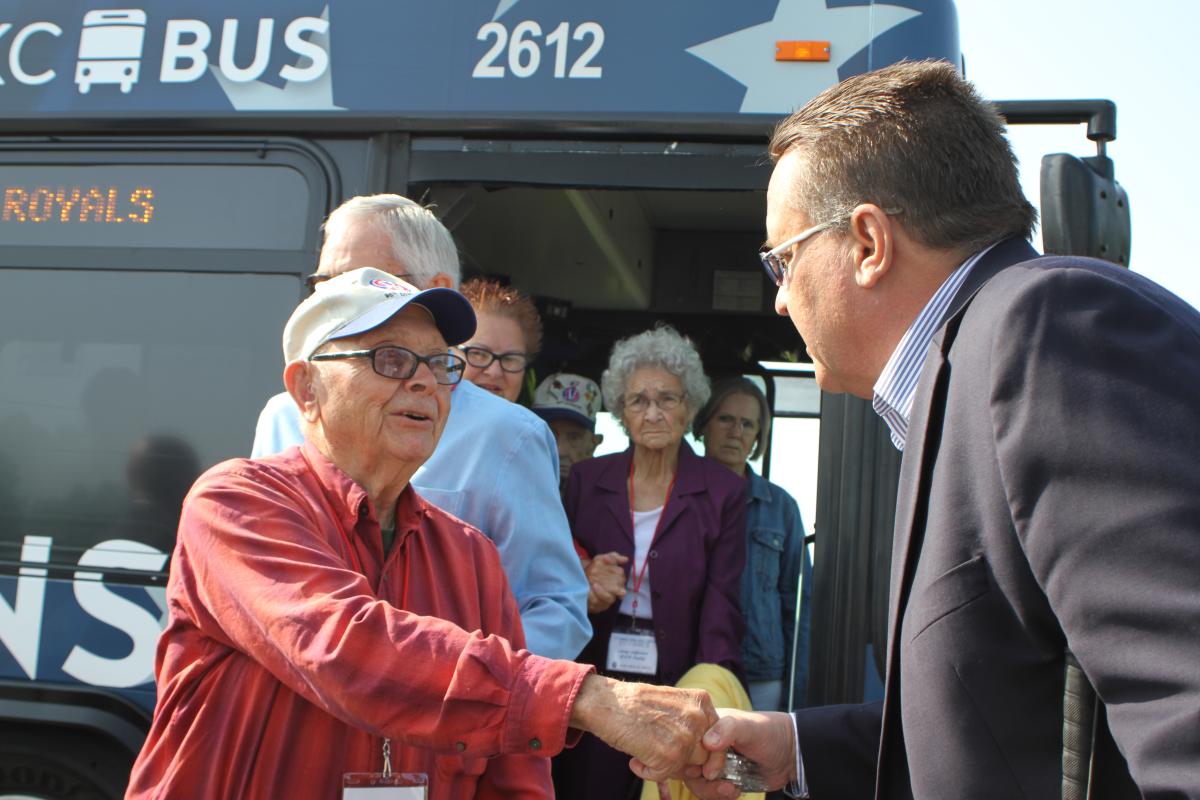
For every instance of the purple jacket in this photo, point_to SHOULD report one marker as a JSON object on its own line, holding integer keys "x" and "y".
{"x": 696, "y": 563}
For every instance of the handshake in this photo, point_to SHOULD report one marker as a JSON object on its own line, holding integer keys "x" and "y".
{"x": 677, "y": 733}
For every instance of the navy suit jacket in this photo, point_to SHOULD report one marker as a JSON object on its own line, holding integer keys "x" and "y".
{"x": 695, "y": 565}
{"x": 1049, "y": 498}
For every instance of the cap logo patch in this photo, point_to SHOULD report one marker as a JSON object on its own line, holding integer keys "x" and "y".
{"x": 571, "y": 393}
{"x": 384, "y": 283}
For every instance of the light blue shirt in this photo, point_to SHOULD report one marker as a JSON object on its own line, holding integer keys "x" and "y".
{"x": 897, "y": 383}
{"x": 495, "y": 467}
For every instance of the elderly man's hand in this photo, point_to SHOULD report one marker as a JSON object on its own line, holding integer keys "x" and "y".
{"x": 606, "y": 580}
{"x": 768, "y": 739}
{"x": 660, "y": 726}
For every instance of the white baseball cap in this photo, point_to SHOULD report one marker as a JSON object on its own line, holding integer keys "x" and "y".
{"x": 363, "y": 299}
{"x": 570, "y": 397}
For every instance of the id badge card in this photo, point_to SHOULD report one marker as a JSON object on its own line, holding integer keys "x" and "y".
{"x": 377, "y": 786}
{"x": 633, "y": 650}
{"x": 386, "y": 785}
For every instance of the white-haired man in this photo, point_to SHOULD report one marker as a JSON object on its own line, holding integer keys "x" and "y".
{"x": 320, "y": 609}
{"x": 497, "y": 465}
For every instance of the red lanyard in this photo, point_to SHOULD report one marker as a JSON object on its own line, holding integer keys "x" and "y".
{"x": 640, "y": 576}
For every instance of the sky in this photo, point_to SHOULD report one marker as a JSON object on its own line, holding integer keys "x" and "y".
{"x": 1133, "y": 53}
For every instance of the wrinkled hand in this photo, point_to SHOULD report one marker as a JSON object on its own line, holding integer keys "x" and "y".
{"x": 765, "y": 738}
{"x": 660, "y": 726}
{"x": 606, "y": 580}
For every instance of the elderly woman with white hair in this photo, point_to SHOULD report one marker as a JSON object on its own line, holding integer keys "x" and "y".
{"x": 678, "y": 518}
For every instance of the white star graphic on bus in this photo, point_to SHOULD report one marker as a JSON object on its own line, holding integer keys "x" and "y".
{"x": 777, "y": 87}
{"x": 502, "y": 8}
{"x": 316, "y": 95}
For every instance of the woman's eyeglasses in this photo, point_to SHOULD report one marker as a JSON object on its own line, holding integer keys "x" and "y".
{"x": 482, "y": 358}
{"x": 666, "y": 401}
{"x": 743, "y": 424}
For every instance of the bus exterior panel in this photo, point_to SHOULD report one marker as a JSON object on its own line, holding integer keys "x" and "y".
{"x": 156, "y": 223}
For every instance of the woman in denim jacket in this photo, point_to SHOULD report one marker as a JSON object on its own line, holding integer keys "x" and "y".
{"x": 734, "y": 424}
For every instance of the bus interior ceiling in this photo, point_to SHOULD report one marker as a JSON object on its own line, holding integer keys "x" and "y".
{"x": 603, "y": 263}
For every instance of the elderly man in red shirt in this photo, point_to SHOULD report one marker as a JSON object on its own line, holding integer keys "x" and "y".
{"x": 325, "y": 620}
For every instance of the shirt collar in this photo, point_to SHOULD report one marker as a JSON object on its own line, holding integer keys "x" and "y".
{"x": 758, "y": 486}
{"x": 897, "y": 384}
{"x": 346, "y": 497}
{"x": 350, "y": 500}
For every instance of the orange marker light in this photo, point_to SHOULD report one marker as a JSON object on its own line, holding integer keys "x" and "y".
{"x": 802, "y": 51}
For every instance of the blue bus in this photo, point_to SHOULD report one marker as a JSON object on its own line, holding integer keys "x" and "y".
{"x": 164, "y": 171}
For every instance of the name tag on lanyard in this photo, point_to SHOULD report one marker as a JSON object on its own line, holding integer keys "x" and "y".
{"x": 386, "y": 785}
{"x": 632, "y": 650}
{"x": 377, "y": 786}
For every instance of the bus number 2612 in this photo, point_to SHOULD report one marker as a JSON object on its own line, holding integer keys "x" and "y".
{"x": 525, "y": 50}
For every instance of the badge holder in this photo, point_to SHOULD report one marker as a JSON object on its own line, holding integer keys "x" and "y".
{"x": 632, "y": 649}
{"x": 386, "y": 785}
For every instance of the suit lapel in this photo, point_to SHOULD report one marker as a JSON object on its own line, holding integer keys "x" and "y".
{"x": 924, "y": 436}
{"x": 688, "y": 480}
{"x": 613, "y": 482}
{"x": 921, "y": 431}
{"x": 911, "y": 472}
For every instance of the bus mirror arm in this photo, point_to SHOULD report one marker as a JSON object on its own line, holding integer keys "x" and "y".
{"x": 1100, "y": 116}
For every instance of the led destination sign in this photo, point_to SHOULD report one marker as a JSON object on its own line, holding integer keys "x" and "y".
{"x": 103, "y": 204}
{"x": 256, "y": 207}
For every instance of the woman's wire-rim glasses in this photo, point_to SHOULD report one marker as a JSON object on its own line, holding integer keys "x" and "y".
{"x": 666, "y": 401}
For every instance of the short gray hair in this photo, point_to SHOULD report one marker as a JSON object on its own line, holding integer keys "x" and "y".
{"x": 915, "y": 137}
{"x": 419, "y": 239}
{"x": 661, "y": 346}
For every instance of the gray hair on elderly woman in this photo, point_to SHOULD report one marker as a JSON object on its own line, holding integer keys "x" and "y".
{"x": 661, "y": 346}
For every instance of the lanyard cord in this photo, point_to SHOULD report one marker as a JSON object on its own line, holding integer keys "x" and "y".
{"x": 640, "y": 576}
{"x": 358, "y": 566}
{"x": 361, "y": 570}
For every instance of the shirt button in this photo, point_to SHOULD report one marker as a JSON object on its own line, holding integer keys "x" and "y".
{"x": 654, "y": 554}
{"x": 535, "y": 744}
{"x": 460, "y": 746}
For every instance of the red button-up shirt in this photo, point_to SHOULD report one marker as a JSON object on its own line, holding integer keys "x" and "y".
{"x": 294, "y": 647}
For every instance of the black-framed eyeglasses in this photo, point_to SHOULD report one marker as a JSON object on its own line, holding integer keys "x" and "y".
{"x": 772, "y": 260}
{"x": 400, "y": 363}
{"x": 743, "y": 424}
{"x": 311, "y": 281}
{"x": 482, "y": 358}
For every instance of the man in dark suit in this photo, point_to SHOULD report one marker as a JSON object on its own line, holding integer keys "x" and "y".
{"x": 1049, "y": 414}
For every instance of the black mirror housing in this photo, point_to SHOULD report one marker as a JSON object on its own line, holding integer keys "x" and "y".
{"x": 1085, "y": 212}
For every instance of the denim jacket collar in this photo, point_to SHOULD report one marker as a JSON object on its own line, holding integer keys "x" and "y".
{"x": 760, "y": 489}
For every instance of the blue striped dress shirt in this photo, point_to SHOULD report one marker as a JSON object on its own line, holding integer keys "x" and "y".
{"x": 893, "y": 392}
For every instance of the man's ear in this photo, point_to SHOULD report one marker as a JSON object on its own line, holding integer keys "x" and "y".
{"x": 440, "y": 281}
{"x": 874, "y": 235}
{"x": 300, "y": 379}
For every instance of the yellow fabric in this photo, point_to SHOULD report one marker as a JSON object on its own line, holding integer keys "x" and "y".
{"x": 726, "y": 692}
